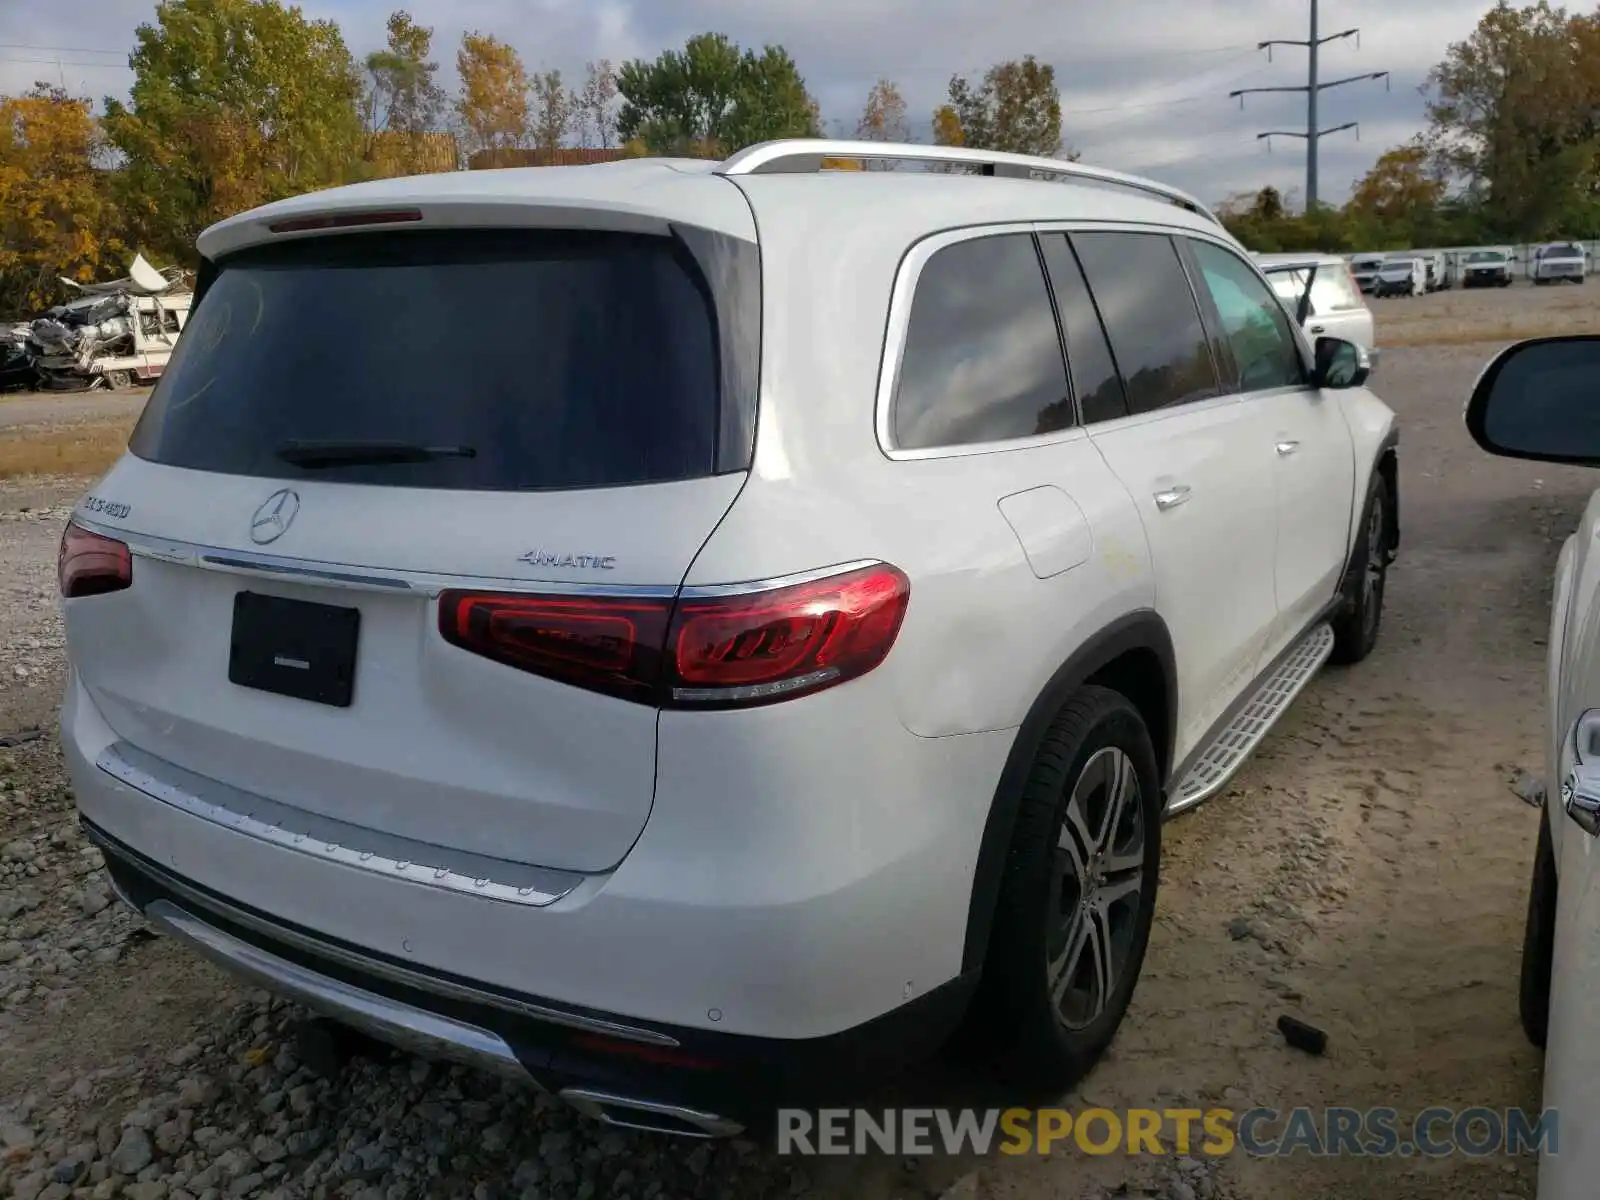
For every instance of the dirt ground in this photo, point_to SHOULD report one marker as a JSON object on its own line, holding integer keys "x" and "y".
{"x": 1366, "y": 872}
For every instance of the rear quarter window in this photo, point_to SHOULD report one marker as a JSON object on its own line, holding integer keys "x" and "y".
{"x": 560, "y": 359}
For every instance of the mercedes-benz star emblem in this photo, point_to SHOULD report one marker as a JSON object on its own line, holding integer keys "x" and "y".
{"x": 272, "y": 520}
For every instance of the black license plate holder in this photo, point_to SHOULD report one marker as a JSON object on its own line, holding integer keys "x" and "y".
{"x": 294, "y": 648}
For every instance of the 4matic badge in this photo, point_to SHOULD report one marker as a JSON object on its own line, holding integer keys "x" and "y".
{"x": 582, "y": 562}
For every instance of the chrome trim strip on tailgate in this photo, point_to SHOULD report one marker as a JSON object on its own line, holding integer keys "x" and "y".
{"x": 362, "y": 963}
{"x": 339, "y": 842}
{"x": 348, "y": 575}
{"x": 388, "y": 1020}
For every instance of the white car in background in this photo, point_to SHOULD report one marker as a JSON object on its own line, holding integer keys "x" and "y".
{"x": 1536, "y": 400}
{"x": 669, "y": 712}
{"x": 1320, "y": 290}
{"x": 1402, "y": 275}
{"x": 1560, "y": 262}
{"x": 1364, "y": 269}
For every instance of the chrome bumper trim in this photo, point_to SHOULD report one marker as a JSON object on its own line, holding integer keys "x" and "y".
{"x": 626, "y": 1112}
{"x": 402, "y": 1025}
{"x": 288, "y": 828}
{"x": 392, "y": 972}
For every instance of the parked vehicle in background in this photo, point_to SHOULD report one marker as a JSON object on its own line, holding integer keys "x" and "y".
{"x": 1365, "y": 268}
{"x": 114, "y": 333}
{"x": 1450, "y": 271}
{"x": 1485, "y": 268}
{"x": 1560, "y": 262}
{"x": 1434, "y": 271}
{"x": 1321, "y": 292}
{"x": 1535, "y": 401}
{"x": 1402, "y": 276}
{"x": 714, "y": 791}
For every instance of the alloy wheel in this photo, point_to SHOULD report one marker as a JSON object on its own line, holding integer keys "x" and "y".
{"x": 1097, "y": 886}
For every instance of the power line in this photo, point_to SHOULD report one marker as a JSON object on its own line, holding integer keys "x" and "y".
{"x": 1312, "y": 88}
{"x": 62, "y": 49}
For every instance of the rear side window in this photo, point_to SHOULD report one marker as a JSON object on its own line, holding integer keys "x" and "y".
{"x": 1094, "y": 371}
{"x": 1150, "y": 317}
{"x": 528, "y": 359}
{"x": 982, "y": 360}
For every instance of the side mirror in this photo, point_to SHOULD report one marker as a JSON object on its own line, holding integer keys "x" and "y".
{"x": 1341, "y": 364}
{"x": 1540, "y": 399}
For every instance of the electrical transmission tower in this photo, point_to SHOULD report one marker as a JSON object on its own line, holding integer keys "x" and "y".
{"x": 1312, "y": 88}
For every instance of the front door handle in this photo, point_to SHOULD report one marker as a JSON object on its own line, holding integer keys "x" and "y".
{"x": 1319, "y": 329}
{"x": 1287, "y": 448}
{"x": 1172, "y": 497}
{"x": 1580, "y": 796}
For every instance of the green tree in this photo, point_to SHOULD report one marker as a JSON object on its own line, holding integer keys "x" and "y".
{"x": 493, "y": 105}
{"x": 1015, "y": 108}
{"x": 554, "y": 109}
{"x": 1513, "y": 110}
{"x": 711, "y": 98}
{"x": 234, "y": 103}
{"x": 402, "y": 96}
{"x": 56, "y": 217}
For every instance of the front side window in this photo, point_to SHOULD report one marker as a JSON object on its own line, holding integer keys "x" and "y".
{"x": 1150, "y": 317}
{"x": 982, "y": 360}
{"x": 1253, "y": 321}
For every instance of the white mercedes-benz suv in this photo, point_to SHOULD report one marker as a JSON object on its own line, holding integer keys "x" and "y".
{"x": 694, "y": 633}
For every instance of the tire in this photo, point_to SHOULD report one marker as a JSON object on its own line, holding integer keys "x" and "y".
{"x": 1538, "y": 939}
{"x": 1043, "y": 1011}
{"x": 1355, "y": 629}
{"x": 118, "y": 380}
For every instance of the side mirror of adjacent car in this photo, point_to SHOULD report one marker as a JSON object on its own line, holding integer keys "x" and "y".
{"x": 1341, "y": 364}
{"x": 1540, "y": 399}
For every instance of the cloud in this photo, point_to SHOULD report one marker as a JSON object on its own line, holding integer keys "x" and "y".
{"x": 1144, "y": 82}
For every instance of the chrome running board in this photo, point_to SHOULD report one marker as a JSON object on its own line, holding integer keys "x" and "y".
{"x": 1237, "y": 740}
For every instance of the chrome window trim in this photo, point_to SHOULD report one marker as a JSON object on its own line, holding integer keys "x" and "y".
{"x": 705, "y": 591}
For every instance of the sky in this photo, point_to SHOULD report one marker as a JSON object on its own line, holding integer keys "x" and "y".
{"x": 1144, "y": 84}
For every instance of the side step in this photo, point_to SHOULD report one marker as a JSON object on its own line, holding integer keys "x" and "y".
{"x": 1236, "y": 740}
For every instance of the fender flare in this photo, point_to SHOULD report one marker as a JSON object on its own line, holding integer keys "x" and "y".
{"x": 1142, "y": 629}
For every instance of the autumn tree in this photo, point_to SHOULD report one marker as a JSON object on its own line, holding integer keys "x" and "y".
{"x": 234, "y": 103}
{"x": 595, "y": 106}
{"x": 553, "y": 111}
{"x": 1015, "y": 108}
{"x": 884, "y": 117}
{"x": 1513, "y": 111}
{"x": 493, "y": 105}
{"x": 711, "y": 98}
{"x": 56, "y": 218}
{"x": 1402, "y": 185}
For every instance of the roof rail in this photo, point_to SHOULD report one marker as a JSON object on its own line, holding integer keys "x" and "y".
{"x": 807, "y": 155}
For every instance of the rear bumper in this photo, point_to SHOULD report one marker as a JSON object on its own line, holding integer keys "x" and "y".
{"x": 786, "y": 887}
{"x": 665, "y": 1078}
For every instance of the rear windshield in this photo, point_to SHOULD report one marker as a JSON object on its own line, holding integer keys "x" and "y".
{"x": 536, "y": 359}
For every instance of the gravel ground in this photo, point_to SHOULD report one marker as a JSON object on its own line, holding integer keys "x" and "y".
{"x": 1366, "y": 872}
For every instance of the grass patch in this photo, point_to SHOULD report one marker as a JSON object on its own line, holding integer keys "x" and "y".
{"x": 84, "y": 449}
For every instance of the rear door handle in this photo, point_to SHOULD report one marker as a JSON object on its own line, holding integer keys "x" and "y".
{"x": 1172, "y": 497}
{"x": 1287, "y": 448}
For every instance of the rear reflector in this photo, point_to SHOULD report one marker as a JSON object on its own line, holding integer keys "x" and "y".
{"x": 723, "y": 651}
{"x": 92, "y": 565}
{"x": 345, "y": 220}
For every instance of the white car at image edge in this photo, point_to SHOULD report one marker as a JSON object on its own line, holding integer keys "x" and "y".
{"x": 773, "y": 650}
{"x": 1535, "y": 400}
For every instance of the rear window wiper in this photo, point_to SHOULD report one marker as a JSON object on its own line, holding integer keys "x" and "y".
{"x": 314, "y": 455}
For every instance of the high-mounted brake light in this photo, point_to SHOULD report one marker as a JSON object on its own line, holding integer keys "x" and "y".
{"x": 700, "y": 651}
{"x": 92, "y": 565}
{"x": 345, "y": 220}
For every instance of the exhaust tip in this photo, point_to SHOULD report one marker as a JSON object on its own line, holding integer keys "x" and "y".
{"x": 649, "y": 1116}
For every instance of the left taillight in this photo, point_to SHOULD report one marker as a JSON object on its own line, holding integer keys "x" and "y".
{"x": 91, "y": 564}
{"x": 734, "y": 650}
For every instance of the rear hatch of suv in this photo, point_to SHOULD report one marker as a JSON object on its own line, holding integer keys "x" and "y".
{"x": 381, "y": 461}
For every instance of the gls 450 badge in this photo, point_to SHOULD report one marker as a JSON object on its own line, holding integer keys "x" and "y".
{"x": 582, "y": 562}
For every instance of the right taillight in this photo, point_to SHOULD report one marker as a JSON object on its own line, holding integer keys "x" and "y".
{"x": 90, "y": 564}
{"x": 720, "y": 650}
